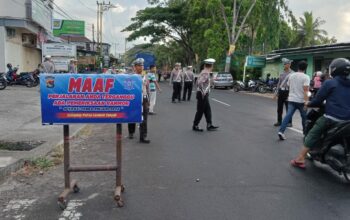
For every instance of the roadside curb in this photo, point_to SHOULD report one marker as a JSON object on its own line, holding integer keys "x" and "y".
{"x": 42, "y": 150}
{"x": 268, "y": 96}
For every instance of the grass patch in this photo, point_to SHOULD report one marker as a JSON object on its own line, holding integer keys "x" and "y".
{"x": 42, "y": 163}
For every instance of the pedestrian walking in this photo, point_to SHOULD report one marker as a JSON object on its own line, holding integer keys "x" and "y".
{"x": 153, "y": 86}
{"x": 283, "y": 91}
{"x": 176, "y": 79}
{"x": 159, "y": 73}
{"x": 298, "y": 84}
{"x": 47, "y": 66}
{"x": 188, "y": 83}
{"x": 202, "y": 95}
{"x": 138, "y": 69}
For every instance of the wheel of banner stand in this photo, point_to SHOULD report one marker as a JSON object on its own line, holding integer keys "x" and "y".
{"x": 62, "y": 204}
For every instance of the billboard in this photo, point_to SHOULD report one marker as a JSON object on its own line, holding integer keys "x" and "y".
{"x": 68, "y": 28}
{"x": 60, "y": 54}
{"x": 93, "y": 98}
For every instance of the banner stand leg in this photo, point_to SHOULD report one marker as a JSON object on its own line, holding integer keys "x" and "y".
{"x": 69, "y": 186}
{"x": 119, "y": 186}
{"x": 72, "y": 186}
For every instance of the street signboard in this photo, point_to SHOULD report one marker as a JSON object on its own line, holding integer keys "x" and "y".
{"x": 60, "y": 54}
{"x": 92, "y": 98}
{"x": 59, "y": 50}
{"x": 68, "y": 28}
{"x": 257, "y": 62}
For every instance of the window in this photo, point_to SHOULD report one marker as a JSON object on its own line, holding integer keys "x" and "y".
{"x": 11, "y": 33}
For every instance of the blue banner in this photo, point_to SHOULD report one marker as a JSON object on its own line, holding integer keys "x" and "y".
{"x": 91, "y": 98}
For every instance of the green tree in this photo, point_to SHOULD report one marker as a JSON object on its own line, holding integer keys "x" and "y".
{"x": 163, "y": 22}
{"x": 308, "y": 30}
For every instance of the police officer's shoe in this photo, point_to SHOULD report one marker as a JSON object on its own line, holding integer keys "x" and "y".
{"x": 145, "y": 141}
{"x": 197, "y": 128}
{"x": 212, "y": 127}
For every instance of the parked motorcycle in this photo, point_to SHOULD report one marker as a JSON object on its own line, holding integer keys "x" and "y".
{"x": 334, "y": 147}
{"x": 241, "y": 86}
{"x": 20, "y": 79}
{"x": 264, "y": 88}
{"x": 3, "y": 82}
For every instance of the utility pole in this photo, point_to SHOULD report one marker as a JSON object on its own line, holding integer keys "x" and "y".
{"x": 101, "y": 7}
{"x": 125, "y": 52}
{"x": 93, "y": 33}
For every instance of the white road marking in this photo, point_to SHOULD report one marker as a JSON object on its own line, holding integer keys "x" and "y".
{"x": 296, "y": 130}
{"x": 15, "y": 208}
{"x": 215, "y": 100}
{"x": 71, "y": 213}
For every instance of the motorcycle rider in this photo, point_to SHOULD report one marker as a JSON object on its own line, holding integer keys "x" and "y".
{"x": 9, "y": 72}
{"x": 337, "y": 108}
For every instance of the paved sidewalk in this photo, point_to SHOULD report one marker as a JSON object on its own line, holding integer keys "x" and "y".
{"x": 20, "y": 117}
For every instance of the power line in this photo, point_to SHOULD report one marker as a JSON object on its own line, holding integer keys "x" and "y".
{"x": 94, "y": 10}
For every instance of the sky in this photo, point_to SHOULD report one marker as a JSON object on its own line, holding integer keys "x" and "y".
{"x": 336, "y": 13}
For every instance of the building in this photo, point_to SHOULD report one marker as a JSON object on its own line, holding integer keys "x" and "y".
{"x": 24, "y": 25}
{"x": 87, "y": 50}
{"x": 318, "y": 57}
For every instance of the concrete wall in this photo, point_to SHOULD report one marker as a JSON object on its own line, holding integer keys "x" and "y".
{"x": 272, "y": 68}
{"x": 27, "y": 58}
{"x": 14, "y": 9}
{"x": 2, "y": 49}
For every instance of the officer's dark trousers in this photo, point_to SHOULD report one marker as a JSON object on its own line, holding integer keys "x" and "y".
{"x": 187, "y": 90}
{"x": 203, "y": 107}
{"x": 143, "y": 125}
{"x": 282, "y": 100}
{"x": 176, "y": 91}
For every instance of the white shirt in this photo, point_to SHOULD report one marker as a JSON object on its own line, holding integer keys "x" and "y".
{"x": 296, "y": 83}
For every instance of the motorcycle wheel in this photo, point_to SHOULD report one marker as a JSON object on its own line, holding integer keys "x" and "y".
{"x": 346, "y": 175}
{"x": 262, "y": 89}
{"x": 236, "y": 88}
{"x": 29, "y": 83}
{"x": 36, "y": 82}
{"x": 3, "y": 84}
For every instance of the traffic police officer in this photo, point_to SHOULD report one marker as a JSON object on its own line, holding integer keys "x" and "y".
{"x": 188, "y": 78}
{"x": 203, "y": 105}
{"x": 138, "y": 69}
{"x": 176, "y": 78}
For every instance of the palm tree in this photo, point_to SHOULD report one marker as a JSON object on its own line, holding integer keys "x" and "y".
{"x": 308, "y": 30}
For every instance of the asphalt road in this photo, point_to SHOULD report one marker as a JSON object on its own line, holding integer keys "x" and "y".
{"x": 243, "y": 171}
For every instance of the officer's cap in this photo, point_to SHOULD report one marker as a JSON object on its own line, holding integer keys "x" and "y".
{"x": 209, "y": 61}
{"x": 286, "y": 61}
{"x": 138, "y": 62}
{"x": 189, "y": 67}
{"x": 177, "y": 64}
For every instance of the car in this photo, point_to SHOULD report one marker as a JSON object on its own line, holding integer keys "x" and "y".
{"x": 222, "y": 79}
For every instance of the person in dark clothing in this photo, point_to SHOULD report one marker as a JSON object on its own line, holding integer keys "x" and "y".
{"x": 283, "y": 91}
{"x": 337, "y": 108}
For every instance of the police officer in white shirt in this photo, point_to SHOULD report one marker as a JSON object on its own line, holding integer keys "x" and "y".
{"x": 203, "y": 105}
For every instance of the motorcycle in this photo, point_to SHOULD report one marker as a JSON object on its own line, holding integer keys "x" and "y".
{"x": 21, "y": 79}
{"x": 334, "y": 147}
{"x": 36, "y": 77}
{"x": 241, "y": 86}
{"x": 264, "y": 88}
{"x": 3, "y": 82}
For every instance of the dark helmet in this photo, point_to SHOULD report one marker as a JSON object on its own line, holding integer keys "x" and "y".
{"x": 9, "y": 65}
{"x": 339, "y": 67}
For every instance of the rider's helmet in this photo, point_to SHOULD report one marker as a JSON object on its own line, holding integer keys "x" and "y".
{"x": 339, "y": 67}
{"x": 9, "y": 65}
